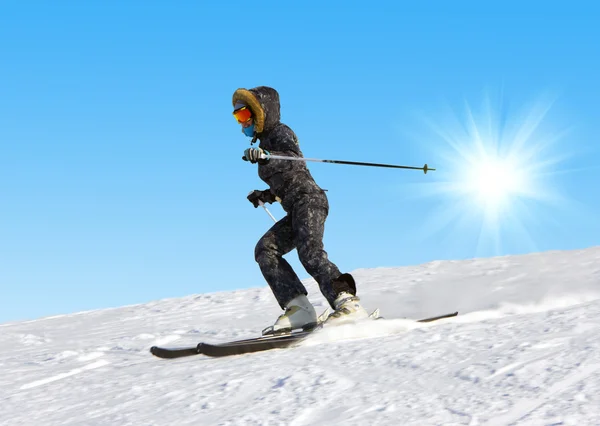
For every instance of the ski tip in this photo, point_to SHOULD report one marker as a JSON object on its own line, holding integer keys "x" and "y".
{"x": 432, "y": 319}
{"x": 158, "y": 351}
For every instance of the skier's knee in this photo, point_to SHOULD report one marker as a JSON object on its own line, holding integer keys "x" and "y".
{"x": 261, "y": 251}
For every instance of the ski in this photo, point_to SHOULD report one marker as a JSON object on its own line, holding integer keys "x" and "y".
{"x": 439, "y": 317}
{"x": 237, "y": 347}
{"x": 245, "y": 346}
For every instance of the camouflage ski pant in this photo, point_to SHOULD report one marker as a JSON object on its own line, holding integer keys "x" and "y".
{"x": 302, "y": 228}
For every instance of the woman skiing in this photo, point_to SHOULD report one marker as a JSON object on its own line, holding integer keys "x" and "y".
{"x": 306, "y": 205}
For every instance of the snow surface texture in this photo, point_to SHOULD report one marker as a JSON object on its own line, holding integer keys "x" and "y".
{"x": 525, "y": 350}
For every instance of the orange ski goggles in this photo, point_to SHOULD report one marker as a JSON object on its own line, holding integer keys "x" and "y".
{"x": 242, "y": 115}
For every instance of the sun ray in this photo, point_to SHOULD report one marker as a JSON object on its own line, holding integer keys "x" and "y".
{"x": 494, "y": 171}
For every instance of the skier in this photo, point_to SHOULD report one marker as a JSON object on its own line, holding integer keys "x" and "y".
{"x": 306, "y": 205}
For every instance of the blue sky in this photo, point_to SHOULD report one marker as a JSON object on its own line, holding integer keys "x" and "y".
{"x": 121, "y": 179}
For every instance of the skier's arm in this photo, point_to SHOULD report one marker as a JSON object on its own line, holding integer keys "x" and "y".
{"x": 287, "y": 143}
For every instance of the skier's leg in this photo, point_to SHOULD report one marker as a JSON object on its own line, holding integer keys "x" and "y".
{"x": 339, "y": 289}
{"x": 285, "y": 284}
{"x": 278, "y": 273}
{"x": 309, "y": 217}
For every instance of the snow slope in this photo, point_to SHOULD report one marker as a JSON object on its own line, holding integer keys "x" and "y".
{"x": 525, "y": 350}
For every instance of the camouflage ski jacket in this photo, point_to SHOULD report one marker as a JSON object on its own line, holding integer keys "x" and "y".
{"x": 288, "y": 180}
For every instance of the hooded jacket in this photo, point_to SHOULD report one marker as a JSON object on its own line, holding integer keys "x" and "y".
{"x": 288, "y": 180}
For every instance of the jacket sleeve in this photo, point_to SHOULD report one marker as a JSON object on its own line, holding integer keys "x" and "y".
{"x": 285, "y": 143}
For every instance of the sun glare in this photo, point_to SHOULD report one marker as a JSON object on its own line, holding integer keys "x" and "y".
{"x": 493, "y": 182}
{"x": 493, "y": 170}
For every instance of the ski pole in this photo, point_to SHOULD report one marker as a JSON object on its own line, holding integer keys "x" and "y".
{"x": 267, "y": 210}
{"x": 425, "y": 168}
{"x": 260, "y": 203}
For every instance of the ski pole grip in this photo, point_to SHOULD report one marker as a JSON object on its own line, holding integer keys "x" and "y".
{"x": 262, "y": 157}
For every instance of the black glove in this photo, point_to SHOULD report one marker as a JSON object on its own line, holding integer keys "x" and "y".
{"x": 265, "y": 196}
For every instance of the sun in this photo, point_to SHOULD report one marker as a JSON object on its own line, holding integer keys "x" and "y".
{"x": 492, "y": 182}
{"x": 493, "y": 173}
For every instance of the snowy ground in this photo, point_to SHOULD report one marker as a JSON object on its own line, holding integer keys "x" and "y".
{"x": 525, "y": 350}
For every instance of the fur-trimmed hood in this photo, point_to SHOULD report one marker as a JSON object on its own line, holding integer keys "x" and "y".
{"x": 263, "y": 101}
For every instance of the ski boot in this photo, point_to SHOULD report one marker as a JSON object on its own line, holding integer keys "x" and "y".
{"x": 299, "y": 314}
{"x": 347, "y": 304}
